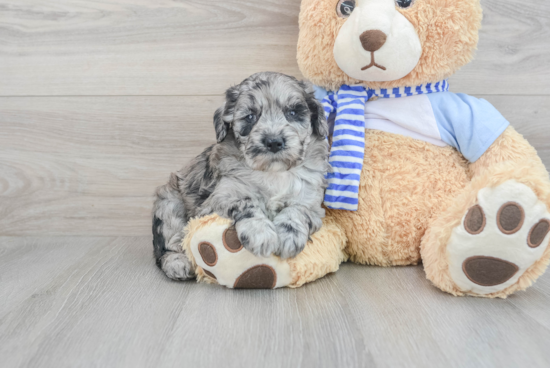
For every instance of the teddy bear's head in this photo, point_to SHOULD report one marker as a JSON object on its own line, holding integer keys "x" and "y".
{"x": 386, "y": 43}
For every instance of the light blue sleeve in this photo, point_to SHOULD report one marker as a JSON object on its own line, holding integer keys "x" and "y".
{"x": 469, "y": 124}
{"x": 320, "y": 93}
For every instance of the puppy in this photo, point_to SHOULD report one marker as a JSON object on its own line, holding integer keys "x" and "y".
{"x": 266, "y": 173}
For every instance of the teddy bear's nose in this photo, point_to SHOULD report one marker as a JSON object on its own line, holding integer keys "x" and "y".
{"x": 373, "y": 40}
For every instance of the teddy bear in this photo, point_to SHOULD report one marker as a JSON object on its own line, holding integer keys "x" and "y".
{"x": 418, "y": 174}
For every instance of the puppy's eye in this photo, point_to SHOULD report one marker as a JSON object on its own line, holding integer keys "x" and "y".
{"x": 404, "y": 4}
{"x": 251, "y": 118}
{"x": 293, "y": 114}
{"x": 345, "y": 8}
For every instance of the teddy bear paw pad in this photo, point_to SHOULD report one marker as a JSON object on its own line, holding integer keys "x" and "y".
{"x": 499, "y": 238}
{"x": 221, "y": 256}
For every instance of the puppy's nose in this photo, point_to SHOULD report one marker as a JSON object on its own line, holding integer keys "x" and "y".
{"x": 275, "y": 144}
{"x": 373, "y": 40}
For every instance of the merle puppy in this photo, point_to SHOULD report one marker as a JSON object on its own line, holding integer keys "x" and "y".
{"x": 266, "y": 173}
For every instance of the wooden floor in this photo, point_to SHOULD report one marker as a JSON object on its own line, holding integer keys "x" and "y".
{"x": 98, "y": 301}
{"x": 101, "y": 100}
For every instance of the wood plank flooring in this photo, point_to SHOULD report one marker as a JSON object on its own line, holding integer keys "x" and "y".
{"x": 98, "y": 302}
{"x": 101, "y": 100}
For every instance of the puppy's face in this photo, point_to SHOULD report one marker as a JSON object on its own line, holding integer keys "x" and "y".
{"x": 273, "y": 118}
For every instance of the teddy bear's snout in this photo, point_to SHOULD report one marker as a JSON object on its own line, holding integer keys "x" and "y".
{"x": 373, "y": 40}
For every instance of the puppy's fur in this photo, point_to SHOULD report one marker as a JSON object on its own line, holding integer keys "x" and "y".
{"x": 273, "y": 196}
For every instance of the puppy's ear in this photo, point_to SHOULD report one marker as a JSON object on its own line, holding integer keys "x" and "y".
{"x": 318, "y": 120}
{"x": 224, "y": 115}
{"x": 221, "y": 126}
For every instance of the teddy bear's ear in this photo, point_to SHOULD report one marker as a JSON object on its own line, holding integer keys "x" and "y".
{"x": 224, "y": 115}
{"x": 318, "y": 120}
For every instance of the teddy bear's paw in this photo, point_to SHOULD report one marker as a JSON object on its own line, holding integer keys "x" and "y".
{"x": 223, "y": 259}
{"x": 499, "y": 238}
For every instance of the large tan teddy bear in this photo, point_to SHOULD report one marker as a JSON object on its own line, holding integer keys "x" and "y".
{"x": 419, "y": 174}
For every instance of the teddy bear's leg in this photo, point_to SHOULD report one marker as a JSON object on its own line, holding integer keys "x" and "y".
{"x": 494, "y": 239}
{"x": 214, "y": 249}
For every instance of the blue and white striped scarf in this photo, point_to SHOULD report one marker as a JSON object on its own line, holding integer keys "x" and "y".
{"x": 348, "y": 141}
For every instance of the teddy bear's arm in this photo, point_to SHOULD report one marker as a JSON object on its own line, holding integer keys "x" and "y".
{"x": 467, "y": 123}
{"x": 512, "y": 150}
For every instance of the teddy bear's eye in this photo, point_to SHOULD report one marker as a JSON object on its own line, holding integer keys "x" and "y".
{"x": 404, "y": 3}
{"x": 345, "y": 8}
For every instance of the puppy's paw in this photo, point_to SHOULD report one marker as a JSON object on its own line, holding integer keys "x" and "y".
{"x": 177, "y": 266}
{"x": 258, "y": 236}
{"x": 293, "y": 237}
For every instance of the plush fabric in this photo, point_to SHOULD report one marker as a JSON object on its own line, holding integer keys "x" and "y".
{"x": 510, "y": 157}
{"x": 348, "y": 138}
{"x": 401, "y": 191}
{"x": 314, "y": 262}
{"x": 447, "y": 29}
{"x": 322, "y": 256}
{"x": 393, "y": 47}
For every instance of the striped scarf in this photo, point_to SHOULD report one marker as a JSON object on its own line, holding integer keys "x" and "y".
{"x": 348, "y": 141}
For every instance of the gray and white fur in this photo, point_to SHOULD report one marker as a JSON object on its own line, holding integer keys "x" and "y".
{"x": 266, "y": 173}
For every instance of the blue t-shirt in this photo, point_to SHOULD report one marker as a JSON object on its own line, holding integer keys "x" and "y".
{"x": 469, "y": 124}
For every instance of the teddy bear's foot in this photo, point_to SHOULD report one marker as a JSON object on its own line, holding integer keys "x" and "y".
{"x": 498, "y": 239}
{"x": 218, "y": 256}
{"x": 221, "y": 258}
